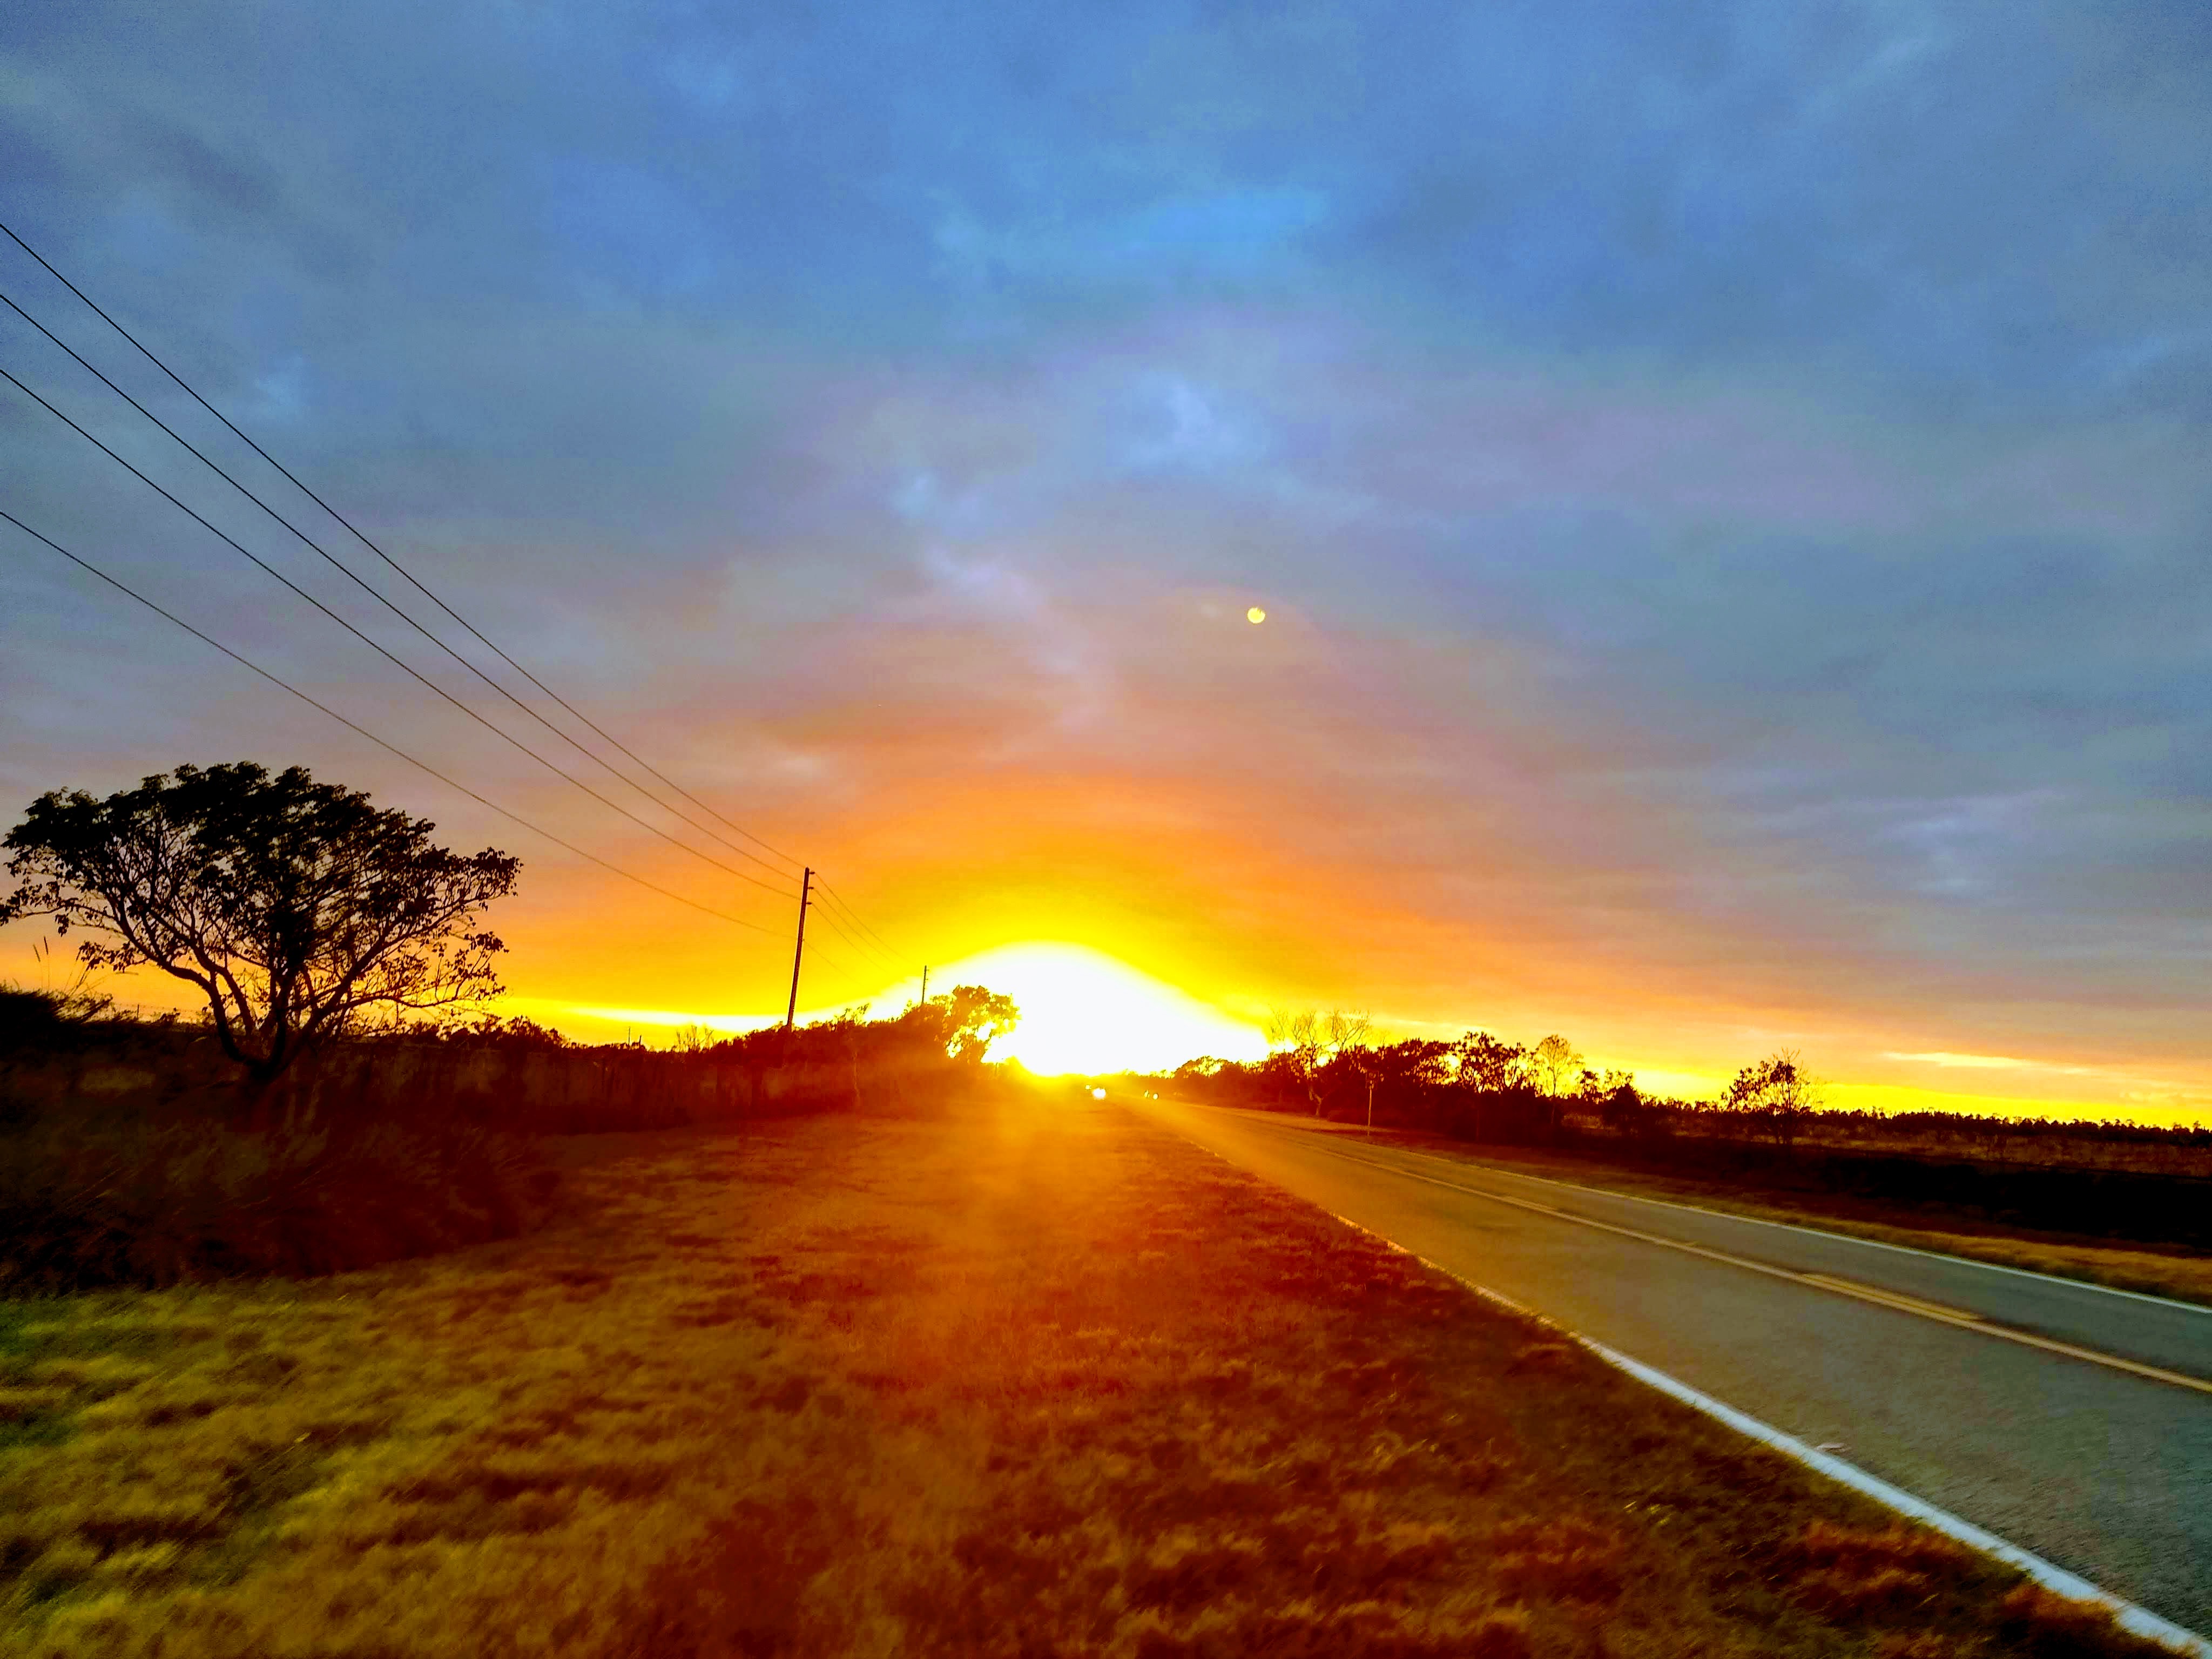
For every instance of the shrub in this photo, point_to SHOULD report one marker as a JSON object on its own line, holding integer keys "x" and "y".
{"x": 147, "y": 1204}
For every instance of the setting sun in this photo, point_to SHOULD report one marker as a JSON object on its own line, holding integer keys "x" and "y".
{"x": 1083, "y": 1011}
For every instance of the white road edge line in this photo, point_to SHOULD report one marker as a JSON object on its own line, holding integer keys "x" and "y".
{"x": 2137, "y": 1620}
{"x": 1786, "y": 1226}
{"x": 1868, "y": 1294}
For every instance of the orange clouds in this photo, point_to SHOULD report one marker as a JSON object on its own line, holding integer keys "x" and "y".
{"x": 1294, "y": 814}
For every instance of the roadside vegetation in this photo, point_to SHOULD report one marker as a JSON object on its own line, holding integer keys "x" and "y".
{"x": 1018, "y": 1375}
{"x": 2124, "y": 1204}
{"x": 132, "y": 1153}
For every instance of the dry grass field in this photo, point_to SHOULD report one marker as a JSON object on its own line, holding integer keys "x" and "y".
{"x": 2144, "y": 1150}
{"x": 1034, "y": 1379}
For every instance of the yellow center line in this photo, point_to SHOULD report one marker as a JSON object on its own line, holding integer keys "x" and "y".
{"x": 1890, "y": 1299}
{"x": 1894, "y": 1299}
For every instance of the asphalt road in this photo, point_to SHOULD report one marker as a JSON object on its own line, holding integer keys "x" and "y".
{"x": 1901, "y": 1366}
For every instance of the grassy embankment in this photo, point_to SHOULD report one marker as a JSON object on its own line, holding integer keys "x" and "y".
{"x": 1037, "y": 1379}
{"x": 2171, "y": 1270}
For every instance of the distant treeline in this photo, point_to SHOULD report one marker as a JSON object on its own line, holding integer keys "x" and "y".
{"x": 1767, "y": 1129}
{"x": 1483, "y": 1088}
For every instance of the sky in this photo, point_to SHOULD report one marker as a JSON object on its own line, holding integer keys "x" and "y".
{"x": 1726, "y": 483}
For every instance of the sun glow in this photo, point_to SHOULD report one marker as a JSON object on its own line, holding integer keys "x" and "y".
{"x": 1084, "y": 1011}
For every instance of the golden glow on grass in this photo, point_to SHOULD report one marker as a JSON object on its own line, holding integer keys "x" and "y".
{"x": 782, "y": 1392}
{"x": 1083, "y": 1011}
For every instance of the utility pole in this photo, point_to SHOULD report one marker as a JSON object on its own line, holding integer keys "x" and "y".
{"x": 806, "y": 886}
{"x": 924, "y": 985}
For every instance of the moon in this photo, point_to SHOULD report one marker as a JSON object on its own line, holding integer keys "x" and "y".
{"x": 1256, "y": 615}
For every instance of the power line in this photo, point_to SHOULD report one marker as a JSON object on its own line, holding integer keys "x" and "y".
{"x": 838, "y": 899}
{"x": 874, "y": 960}
{"x": 815, "y": 953}
{"x": 866, "y": 939}
{"x": 397, "y": 661}
{"x": 829, "y": 917}
{"x": 409, "y": 576}
{"x": 392, "y": 748}
{"x": 839, "y": 912}
{"x": 843, "y": 933}
{"x": 343, "y": 569}
{"x": 847, "y": 932}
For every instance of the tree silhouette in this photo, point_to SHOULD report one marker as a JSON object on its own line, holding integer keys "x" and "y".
{"x": 1777, "y": 1094}
{"x": 1308, "y": 1041}
{"x": 292, "y": 906}
{"x": 1557, "y": 1062}
{"x": 969, "y": 1016}
{"x": 1488, "y": 1063}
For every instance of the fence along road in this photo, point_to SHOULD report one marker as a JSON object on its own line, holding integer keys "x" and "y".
{"x": 1910, "y": 1366}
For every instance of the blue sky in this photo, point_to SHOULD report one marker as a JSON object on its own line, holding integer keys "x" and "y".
{"x": 1728, "y": 481}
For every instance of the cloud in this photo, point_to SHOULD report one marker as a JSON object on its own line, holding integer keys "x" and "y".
{"x": 1971, "y": 1062}
{"x": 1727, "y": 486}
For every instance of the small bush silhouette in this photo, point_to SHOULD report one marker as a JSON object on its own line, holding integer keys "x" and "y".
{"x": 138, "y": 1203}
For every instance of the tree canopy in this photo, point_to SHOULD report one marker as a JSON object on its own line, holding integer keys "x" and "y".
{"x": 1484, "y": 1061}
{"x": 969, "y": 1016}
{"x": 1306, "y": 1041}
{"x": 293, "y": 906}
{"x": 1556, "y": 1062}
{"x": 1776, "y": 1094}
